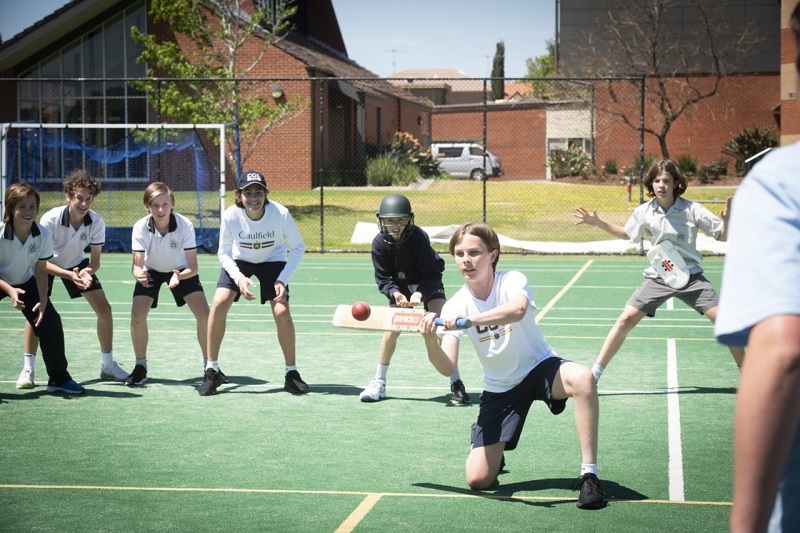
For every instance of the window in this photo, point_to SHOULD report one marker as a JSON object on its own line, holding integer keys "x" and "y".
{"x": 450, "y": 151}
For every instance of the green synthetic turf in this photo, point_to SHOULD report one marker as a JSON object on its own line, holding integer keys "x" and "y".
{"x": 255, "y": 458}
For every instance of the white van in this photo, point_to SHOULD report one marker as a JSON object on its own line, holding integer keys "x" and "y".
{"x": 466, "y": 160}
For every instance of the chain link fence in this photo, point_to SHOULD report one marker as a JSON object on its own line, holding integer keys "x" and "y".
{"x": 517, "y": 154}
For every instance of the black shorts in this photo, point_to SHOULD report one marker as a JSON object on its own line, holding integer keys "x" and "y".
{"x": 502, "y": 414}
{"x": 72, "y": 289}
{"x": 266, "y": 273}
{"x": 155, "y": 279}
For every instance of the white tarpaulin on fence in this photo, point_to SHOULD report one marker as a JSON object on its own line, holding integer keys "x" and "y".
{"x": 364, "y": 232}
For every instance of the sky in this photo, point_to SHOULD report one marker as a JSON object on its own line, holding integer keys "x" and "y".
{"x": 391, "y": 36}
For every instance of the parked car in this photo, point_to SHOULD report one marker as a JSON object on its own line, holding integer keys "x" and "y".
{"x": 466, "y": 160}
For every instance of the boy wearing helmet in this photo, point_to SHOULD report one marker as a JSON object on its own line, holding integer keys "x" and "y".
{"x": 409, "y": 273}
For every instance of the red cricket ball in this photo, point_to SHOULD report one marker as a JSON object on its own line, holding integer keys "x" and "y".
{"x": 360, "y": 310}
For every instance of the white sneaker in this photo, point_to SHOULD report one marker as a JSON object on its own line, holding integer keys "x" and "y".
{"x": 25, "y": 380}
{"x": 113, "y": 372}
{"x": 374, "y": 391}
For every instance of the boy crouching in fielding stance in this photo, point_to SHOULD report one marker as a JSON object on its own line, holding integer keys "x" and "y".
{"x": 74, "y": 227}
{"x": 254, "y": 237}
{"x": 25, "y": 248}
{"x": 518, "y": 364}
{"x": 164, "y": 251}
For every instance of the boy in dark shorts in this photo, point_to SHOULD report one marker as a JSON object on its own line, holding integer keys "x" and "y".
{"x": 257, "y": 237}
{"x": 408, "y": 272}
{"x": 74, "y": 227}
{"x": 518, "y": 364}
{"x": 164, "y": 251}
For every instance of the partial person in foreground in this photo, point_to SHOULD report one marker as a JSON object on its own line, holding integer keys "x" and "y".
{"x": 74, "y": 227}
{"x": 671, "y": 223}
{"x": 408, "y": 272}
{"x": 25, "y": 249}
{"x": 164, "y": 251}
{"x": 760, "y": 309}
{"x": 257, "y": 237}
{"x": 519, "y": 366}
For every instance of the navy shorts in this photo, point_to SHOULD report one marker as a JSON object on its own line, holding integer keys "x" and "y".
{"x": 266, "y": 273}
{"x": 502, "y": 414}
{"x": 72, "y": 289}
{"x": 155, "y": 279}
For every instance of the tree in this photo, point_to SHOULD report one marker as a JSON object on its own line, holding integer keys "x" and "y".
{"x": 498, "y": 91}
{"x": 218, "y": 31}
{"x": 542, "y": 67}
{"x": 683, "y": 48}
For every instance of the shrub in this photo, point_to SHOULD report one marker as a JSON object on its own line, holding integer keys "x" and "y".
{"x": 409, "y": 150}
{"x": 649, "y": 159}
{"x": 712, "y": 171}
{"x": 387, "y": 169}
{"x": 572, "y": 162}
{"x": 688, "y": 165}
{"x": 612, "y": 167}
{"x": 748, "y": 143}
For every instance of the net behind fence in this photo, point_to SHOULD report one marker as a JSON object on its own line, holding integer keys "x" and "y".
{"x": 522, "y": 160}
{"x": 124, "y": 162}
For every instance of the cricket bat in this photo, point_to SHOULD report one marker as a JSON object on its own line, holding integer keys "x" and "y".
{"x": 387, "y": 319}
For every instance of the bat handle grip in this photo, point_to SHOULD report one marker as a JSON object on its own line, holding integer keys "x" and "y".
{"x": 462, "y": 323}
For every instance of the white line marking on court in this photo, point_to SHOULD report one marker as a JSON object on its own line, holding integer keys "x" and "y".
{"x": 563, "y": 291}
{"x": 674, "y": 426}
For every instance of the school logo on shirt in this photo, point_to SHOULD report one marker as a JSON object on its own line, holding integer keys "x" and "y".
{"x": 32, "y": 249}
{"x": 173, "y": 245}
{"x": 494, "y": 332}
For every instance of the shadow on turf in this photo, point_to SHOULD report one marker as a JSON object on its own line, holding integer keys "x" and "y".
{"x": 90, "y": 392}
{"x": 507, "y": 492}
{"x": 679, "y": 390}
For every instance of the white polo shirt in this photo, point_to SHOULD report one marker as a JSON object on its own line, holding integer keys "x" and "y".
{"x": 69, "y": 244}
{"x": 164, "y": 253}
{"x": 18, "y": 259}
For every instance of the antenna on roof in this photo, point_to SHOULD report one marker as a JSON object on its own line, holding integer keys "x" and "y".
{"x": 394, "y": 59}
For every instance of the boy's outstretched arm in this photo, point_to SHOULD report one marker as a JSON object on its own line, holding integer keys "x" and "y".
{"x": 592, "y": 219}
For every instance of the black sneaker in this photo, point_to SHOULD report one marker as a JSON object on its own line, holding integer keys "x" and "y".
{"x": 592, "y": 496}
{"x": 294, "y": 383}
{"x": 224, "y": 377}
{"x": 137, "y": 377}
{"x": 459, "y": 392}
{"x": 211, "y": 380}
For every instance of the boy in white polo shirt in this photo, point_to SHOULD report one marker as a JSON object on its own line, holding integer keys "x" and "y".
{"x": 25, "y": 248}
{"x": 254, "y": 237}
{"x": 74, "y": 227}
{"x": 164, "y": 251}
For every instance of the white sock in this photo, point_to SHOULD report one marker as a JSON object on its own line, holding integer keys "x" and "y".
{"x": 380, "y": 372}
{"x": 28, "y": 360}
{"x": 213, "y": 365}
{"x": 142, "y": 362}
{"x": 455, "y": 377}
{"x": 597, "y": 371}
{"x": 289, "y": 368}
{"x": 587, "y": 468}
{"x": 108, "y": 358}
